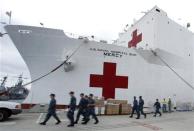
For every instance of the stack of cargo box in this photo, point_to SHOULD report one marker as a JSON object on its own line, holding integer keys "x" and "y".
{"x": 125, "y": 109}
{"x": 113, "y": 101}
{"x": 111, "y": 109}
{"x": 116, "y": 107}
{"x": 100, "y": 106}
{"x": 99, "y": 102}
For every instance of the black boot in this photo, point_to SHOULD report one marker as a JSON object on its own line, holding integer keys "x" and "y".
{"x": 70, "y": 125}
{"x": 58, "y": 122}
{"x": 85, "y": 122}
{"x": 145, "y": 115}
{"x": 96, "y": 122}
{"x": 42, "y": 123}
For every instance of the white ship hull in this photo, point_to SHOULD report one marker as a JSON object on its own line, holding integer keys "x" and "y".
{"x": 44, "y": 49}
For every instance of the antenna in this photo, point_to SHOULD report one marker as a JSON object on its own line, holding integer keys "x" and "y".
{"x": 188, "y": 25}
{"x": 42, "y": 24}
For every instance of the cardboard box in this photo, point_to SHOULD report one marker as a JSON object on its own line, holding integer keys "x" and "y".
{"x": 99, "y": 103}
{"x": 112, "y": 109}
{"x": 125, "y": 109}
{"x": 113, "y": 101}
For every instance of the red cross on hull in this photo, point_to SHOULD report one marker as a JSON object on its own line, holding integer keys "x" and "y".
{"x": 109, "y": 81}
{"x": 135, "y": 39}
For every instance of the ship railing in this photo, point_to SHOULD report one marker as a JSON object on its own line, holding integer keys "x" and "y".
{"x": 90, "y": 38}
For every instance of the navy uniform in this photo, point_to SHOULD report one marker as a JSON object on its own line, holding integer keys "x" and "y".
{"x": 135, "y": 108}
{"x": 82, "y": 108}
{"x": 157, "y": 108}
{"x": 91, "y": 110}
{"x": 72, "y": 107}
{"x": 141, "y": 105}
{"x": 85, "y": 111}
{"x": 51, "y": 111}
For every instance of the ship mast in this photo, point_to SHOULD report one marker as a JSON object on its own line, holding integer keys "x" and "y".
{"x": 3, "y": 81}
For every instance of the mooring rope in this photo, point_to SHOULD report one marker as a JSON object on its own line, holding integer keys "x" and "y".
{"x": 56, "y": 68}
{"x": 179, "y": 76}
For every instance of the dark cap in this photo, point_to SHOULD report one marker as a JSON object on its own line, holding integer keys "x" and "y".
{"x": 71, "y": 92}
{"x": 91, "y": 95}
{"x": 53, "y": 95}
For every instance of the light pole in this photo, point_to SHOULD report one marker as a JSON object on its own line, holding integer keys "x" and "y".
{"x": 9, "y": 13}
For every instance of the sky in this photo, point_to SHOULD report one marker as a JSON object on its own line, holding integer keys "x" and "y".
{"x": 101, "y": 18}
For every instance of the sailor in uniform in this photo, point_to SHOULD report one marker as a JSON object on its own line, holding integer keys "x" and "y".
{"x": 82, "y": 108}
{"x": 157, "y": 108}
{"x": 135, "y": 108}
{"x": 51, "y": 111}
{"x": 91, "y": 110}
{"x": 141, "y": 105}
{"x": 71, "y": 107}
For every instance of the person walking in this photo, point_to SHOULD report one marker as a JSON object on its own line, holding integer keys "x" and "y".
{"x": 81, "y": 108}
{"x": 71, "y": 109}
{"x": 86, "y": 111}
{"x": 169, "y": 105}
{"x": 157, "y": 108}
{"x": 135, "y": 108}
{"x": 51, "y": 111}
{"x": 91, "y": 110}
{"x": 141, "y": 106}
{"x": 164, "y": 106}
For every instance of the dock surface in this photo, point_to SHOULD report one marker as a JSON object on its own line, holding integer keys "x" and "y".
{"x": 176, "y": 121}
